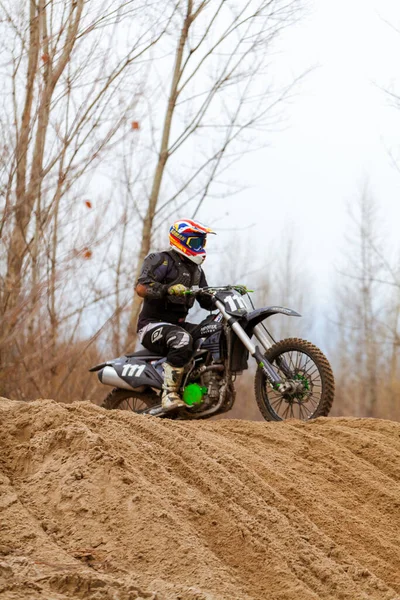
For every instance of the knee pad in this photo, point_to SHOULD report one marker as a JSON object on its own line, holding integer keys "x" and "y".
{"x": 180, "y": 344}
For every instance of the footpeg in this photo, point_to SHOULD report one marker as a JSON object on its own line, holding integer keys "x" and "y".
{"x": 154, "y": 411}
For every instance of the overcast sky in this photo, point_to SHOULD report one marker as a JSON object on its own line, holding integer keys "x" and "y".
{"x": 339, "y": 129}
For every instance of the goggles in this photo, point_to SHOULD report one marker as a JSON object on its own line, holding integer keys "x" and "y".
{"x": 196, "y": 243}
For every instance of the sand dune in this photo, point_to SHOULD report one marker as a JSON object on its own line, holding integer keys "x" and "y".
{"x": 113, "y": 506}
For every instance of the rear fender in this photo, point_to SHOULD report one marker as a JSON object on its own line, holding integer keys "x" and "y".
{"x": 107, "y": 363}
{"x": 98, "y": 367}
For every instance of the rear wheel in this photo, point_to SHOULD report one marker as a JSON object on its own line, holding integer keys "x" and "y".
{"x": 129, "y": 400}
{"x": 299, "y": 361}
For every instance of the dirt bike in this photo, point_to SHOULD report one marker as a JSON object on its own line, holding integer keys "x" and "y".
{"x": 293, "y": 377}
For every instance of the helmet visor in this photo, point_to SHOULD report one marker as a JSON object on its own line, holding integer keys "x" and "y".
{"x": 196, "y": 243}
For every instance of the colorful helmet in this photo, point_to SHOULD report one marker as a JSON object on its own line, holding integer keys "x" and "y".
{"x": 189, "y": 238}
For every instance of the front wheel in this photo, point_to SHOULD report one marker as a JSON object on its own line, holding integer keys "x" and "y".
{"x": 303, "y": 363}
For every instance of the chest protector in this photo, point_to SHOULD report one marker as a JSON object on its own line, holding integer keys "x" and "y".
{"x": 187, "y": 276}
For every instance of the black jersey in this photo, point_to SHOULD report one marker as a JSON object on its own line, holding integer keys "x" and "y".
{"x": 160, "y": 271}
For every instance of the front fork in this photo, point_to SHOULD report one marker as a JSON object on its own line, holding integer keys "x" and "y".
{"x": 261, "y": 334}
{"x": 255, "y": 352}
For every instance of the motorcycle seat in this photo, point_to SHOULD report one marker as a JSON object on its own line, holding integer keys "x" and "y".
{"x": 143, "y": 354}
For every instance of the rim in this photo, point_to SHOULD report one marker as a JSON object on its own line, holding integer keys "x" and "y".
{"x": 297, "y": 406}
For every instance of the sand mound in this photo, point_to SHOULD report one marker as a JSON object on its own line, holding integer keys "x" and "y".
{"x": 113, "y": 506}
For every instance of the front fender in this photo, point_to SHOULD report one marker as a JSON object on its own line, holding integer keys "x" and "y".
{"x": 256, "y": 316}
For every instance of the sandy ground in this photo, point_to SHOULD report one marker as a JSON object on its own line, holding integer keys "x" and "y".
{"x": 113, "y": 506}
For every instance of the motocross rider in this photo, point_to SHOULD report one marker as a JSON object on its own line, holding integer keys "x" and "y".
{"x": 164, "y": 279}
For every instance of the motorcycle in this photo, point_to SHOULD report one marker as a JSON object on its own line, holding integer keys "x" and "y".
{"x": 293, "y": 379}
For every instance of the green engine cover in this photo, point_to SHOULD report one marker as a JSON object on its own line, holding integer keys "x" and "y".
{"x": 193, "y": 394}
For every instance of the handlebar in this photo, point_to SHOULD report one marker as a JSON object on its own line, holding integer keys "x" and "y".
{"x": 211, "y": 290}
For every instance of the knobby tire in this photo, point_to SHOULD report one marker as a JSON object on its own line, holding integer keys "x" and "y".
{"x": 324, "y": 370}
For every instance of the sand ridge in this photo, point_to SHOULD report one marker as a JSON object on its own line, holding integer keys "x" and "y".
{"x": 106, "y": 505}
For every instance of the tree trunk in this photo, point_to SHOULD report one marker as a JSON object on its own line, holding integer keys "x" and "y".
{"x": 26, "y": 198}
{"x": 18, "y": 244}
{"x": 159, "y": 172}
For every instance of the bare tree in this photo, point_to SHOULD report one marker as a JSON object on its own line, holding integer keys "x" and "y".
{"x": 364, "y": 333}
{"x": 86, "y": 84}
{"x": 65, "y": 106}
{"x": 64, "y": 74}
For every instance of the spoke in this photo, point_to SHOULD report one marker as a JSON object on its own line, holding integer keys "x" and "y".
{"x": 290, "y": 358}
{"x": 310, "y": 399}
{"x": 277, "y": 407}
{"x": 304, "y": 361}
{"x": 301, "y": 411}
{"x": 306, "y": 409}
{"x": 277, "y": 396}
{"x": 277, "y": 400}
{"x": 316, "y": 370}
{"x": 132, "y": 404}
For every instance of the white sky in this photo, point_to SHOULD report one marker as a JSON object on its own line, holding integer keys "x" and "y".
{"x": 338, "y": 132}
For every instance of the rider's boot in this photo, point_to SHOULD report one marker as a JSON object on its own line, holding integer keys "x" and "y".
{"x": 170, "y": 398}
